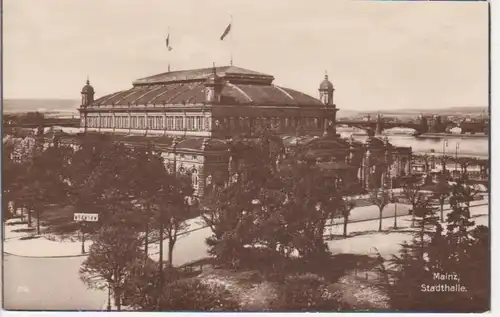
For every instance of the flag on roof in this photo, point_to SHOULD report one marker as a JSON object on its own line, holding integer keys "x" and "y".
{"x": 167, "y": 42}
{"x": 226, "y": 32}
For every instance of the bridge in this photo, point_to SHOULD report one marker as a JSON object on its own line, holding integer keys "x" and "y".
{"x": 421, "y": 126}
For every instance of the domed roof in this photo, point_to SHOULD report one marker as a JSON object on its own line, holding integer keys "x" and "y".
{"x": 87, "y": 88}
{"x": 326, "y": 84}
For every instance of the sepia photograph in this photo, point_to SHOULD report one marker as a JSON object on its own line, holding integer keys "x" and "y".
{"x": 246, "y": 156}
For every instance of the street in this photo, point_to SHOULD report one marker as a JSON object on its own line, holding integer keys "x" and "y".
{"x": 47, "y": 284}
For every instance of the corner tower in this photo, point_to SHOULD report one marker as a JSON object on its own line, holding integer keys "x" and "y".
{"x": 326, "y": 90}
{"x": 87, "y": 94}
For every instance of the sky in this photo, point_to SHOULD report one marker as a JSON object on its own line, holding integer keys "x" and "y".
{"x": 379, "y": 55}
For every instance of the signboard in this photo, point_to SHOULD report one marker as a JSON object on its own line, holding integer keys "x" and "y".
{"x": 86, "y": 217}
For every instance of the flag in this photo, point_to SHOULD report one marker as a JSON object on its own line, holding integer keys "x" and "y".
{"x": 167, "y": 43}
{"x": 226, "y": 32}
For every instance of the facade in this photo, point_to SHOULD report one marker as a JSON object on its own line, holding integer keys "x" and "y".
{"x": 190, "y": 116}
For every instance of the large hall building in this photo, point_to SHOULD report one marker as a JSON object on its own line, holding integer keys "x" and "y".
{"x": 190, "y": 115}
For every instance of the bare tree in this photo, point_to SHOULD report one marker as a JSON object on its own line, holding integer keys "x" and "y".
{"x": 346, "y": 207}
{"x": 381, "y": 198}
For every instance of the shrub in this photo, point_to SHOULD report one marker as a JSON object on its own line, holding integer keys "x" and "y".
{"x": 193, "y": 295}
{"x": 306, "y": 292}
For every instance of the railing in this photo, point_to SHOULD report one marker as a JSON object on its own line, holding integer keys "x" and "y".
{"x": 197, "y": 266}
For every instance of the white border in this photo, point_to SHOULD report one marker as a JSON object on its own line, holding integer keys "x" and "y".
{"x": 495, "y": 175}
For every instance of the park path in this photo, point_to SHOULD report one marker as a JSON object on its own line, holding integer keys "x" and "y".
{"x": 42, "y": 247}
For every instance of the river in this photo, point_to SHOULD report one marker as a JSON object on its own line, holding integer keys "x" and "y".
{"x": 471, "y": 146}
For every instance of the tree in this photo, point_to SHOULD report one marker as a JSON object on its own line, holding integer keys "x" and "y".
{"x": 312, "y": 200}
{"x": 380, "y": 198}
{"x": 44, "y": 180}
{"x": 171, "y": 205}
{"x": 103, "y": 179}
{"x": 143, "y": 290}
{"x": 442, "y": 190}
{"x": 404, "y": 274}
{"x": 283, "y": 206}
{"x": 411, "y": 191}
{"x": 115, "y": 250}
{"x": 411, "y": 277}
{"x": 9, "y": 179}
{"x": 346, "y": 208}
{"x": 225, "y": 209}
{"x": 228, "y": 208}
{"x": 147, "y": 178}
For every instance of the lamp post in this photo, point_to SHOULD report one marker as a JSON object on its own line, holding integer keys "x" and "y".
{"x": 395, "y": 211}
{"x": 457, "y": 147}
{"x": 445, "y": 145}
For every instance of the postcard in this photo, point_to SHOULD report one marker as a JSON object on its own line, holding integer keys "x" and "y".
{"x": 246, "y": 156}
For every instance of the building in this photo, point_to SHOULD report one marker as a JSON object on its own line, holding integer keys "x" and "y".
{"x": 190, "y": 115}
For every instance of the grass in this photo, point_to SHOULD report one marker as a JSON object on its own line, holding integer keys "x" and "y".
{"x": 350, "y": 275}
{"x": 254, "y": 286}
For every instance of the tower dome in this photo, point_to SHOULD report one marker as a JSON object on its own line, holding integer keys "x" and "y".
{"x": 326, "y": 84}
{"x": 326, "y": 91}
{"x": 87, "y": 94}
{"x": 87, "y": 89}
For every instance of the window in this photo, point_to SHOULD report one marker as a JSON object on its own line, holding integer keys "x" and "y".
{"x": 200, "y": 123}
{"x": 195, "y": 157}
{"x": 177, "y": 123}
{"x": 170, "y": 123}
{"x": 159, "y": 122}
{"x": 142, "y": 122}
{"x": 151, "y": 123}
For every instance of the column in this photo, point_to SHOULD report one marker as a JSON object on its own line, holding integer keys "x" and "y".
{"x": 408, "y": 165}
{"x": 129, "y": 122}
{"x": 164, "y": 123}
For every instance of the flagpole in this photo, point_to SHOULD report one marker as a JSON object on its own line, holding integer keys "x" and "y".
{"x": 232, "y": 26}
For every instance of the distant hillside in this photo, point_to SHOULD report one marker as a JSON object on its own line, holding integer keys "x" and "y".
{"x": 48, "y": 106}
